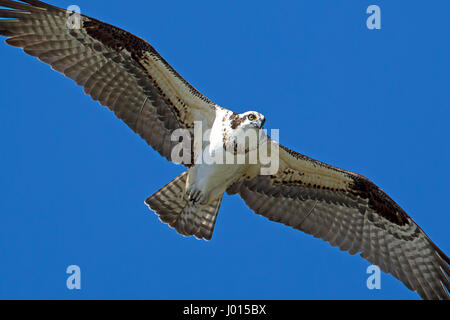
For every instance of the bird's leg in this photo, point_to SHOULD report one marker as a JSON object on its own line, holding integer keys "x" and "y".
{"x": 195, "y": 188}
{"x": 196, "y": 195}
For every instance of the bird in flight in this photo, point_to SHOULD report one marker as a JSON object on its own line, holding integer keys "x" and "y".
{"x": 126, "y": 74}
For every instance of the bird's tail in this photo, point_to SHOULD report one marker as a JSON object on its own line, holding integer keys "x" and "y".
{"x": 173, "y": 207}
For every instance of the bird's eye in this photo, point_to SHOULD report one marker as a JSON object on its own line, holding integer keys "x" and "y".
{"x": 251, "y": 117}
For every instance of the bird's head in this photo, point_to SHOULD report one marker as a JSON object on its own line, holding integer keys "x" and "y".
{"x": 244, "y": 132}
{"x": 247, "y": 120}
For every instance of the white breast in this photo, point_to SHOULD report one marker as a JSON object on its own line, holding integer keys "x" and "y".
{"x": 214, "y": 177}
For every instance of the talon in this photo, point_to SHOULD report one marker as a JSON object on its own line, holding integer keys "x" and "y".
{"x": 202, "y": 199}
{"x": 196, "y": 196}
{"x": 192, "y": 195}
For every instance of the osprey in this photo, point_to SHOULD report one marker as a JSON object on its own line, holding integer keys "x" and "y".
{"x": 126, "y": 74}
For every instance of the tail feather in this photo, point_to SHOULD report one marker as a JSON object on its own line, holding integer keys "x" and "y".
{"x": 173, "y": 208}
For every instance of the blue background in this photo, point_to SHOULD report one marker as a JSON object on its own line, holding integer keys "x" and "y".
{"x": 73, "y": 179}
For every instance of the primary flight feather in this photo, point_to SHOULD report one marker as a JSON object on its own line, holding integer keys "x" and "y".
{"x": 126, "y": 74}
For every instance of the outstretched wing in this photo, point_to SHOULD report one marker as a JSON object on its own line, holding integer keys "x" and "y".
{"x": 116, "y": 68}
{"x": 350, "y": 212}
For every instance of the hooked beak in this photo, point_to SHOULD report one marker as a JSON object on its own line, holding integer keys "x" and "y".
{"x": 262, "y": 122}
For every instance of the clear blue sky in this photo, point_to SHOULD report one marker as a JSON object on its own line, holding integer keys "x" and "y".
{"x": 73, "y": 178}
